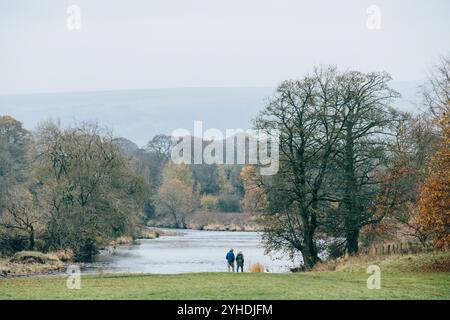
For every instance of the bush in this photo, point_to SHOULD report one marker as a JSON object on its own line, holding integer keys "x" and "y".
{"x": 32, "y": 257}
{"x": 209, "y": 202}
{"x": 10, "y": 244}
{"x": 64, "y": 255}
{"x": 229, "y": 203}
{"x": 85, "y": 251}
{"x": 256, "y": 267}
{"x": 335, "y": 251}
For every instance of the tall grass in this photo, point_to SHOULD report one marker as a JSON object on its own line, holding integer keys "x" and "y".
{"x": 256, "y": 267}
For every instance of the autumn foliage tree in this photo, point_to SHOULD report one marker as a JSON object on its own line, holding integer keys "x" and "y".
{"x": 434, "y": 202}
{"x": 175, "y": 198}
{"x": 255, "y": 199}
{"x": 434, "y": 198}
{"x": 414, "y": 143}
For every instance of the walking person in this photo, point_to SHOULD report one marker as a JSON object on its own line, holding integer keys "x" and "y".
{"x": 230, "y": 260}
{"x": 240, "y": 261}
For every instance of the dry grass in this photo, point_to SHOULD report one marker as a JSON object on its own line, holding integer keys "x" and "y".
{"x": 214, "y": 221}
{"x": 153, "y": 233}
{"x": 123, "y": 240}
{"x": 256, "y": 267}
{"x": 63, "y": 255}
{"x": 224, "y": 221}
{"x": 30, "y": 262}
{"x": 425, "y": 262}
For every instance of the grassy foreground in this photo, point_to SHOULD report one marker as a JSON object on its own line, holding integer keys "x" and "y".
{"x": 314, "y": 285}
{"x": 407, "y": 277}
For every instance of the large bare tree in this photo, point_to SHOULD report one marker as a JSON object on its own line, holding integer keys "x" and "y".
{"x": 305, "y": 113}
{"x": 334, "y": 128}
{"x": 361, "y": 150}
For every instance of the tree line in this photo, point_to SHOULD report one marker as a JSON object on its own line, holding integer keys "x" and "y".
{"x": 79, "y": 188}
{"x": 65, "y": 189}
{"x": 353, "y": 170}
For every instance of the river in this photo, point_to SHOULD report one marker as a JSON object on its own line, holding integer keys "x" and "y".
{"x": 188, "y": 251}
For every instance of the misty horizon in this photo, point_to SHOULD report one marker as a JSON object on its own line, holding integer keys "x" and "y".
{"x": 140, "y": 114}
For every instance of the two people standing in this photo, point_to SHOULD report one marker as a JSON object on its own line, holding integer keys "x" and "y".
{"x": 231, "y": 259}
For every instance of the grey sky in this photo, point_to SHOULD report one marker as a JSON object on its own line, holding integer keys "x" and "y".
{"x": 187, "y": 43}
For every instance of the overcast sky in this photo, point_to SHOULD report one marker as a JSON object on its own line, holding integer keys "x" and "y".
{"x": 187, "y": 43}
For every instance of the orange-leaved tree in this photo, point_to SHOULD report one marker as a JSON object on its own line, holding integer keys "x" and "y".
{"x": 434, "y": 202}
{"x": 255, "y": 199}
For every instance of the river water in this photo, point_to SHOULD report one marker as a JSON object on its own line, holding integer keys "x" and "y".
{"x": 188, "y": 251}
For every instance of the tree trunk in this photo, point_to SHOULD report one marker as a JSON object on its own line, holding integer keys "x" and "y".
{"x": 183, "y": 223}
{"x": 31, "y": 238}
{"x": 310, "y": 256}
{"x": 310, "y": 252}
{"x": 352, "y": 241}
{"x": 350, "y": 201}
{"x": 175, "y": 218}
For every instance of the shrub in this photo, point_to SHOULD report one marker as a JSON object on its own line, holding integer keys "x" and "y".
{"x": 256, "y": 267}
{"x": 11, "y": 243}
{"x": 335, "y": 251}
{"x": 64, "y": 255}
{"x": 209, "y": 202}
{"x": 229, "y": 203}
{"x": 32, "y": 257}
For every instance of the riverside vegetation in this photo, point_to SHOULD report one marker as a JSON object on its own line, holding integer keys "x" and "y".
{"x": 354, "y": 171}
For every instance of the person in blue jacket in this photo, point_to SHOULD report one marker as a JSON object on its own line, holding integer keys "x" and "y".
{"x": 230, "y": 260}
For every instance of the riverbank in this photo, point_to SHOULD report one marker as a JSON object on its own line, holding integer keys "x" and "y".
{"x": 148, "y": 233}
{"x": 402, "y": 277}
{"x": 215, "y": 221}
{"x": 32, "y": 263}
{"x": 27, "y": 263}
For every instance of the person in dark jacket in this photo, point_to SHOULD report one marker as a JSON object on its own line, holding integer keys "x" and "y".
{"x": 230, "y": 260}
{"x": 240, "y": 261}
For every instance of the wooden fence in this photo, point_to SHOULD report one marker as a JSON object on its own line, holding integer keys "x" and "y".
{"x": 396, "y": 248}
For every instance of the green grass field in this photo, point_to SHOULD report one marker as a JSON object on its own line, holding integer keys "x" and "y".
{"x": 313, "y": 285}
{"x": 423, "y": 276}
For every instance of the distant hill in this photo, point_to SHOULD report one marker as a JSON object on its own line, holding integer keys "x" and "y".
{"x": 128, "y": 147}
{"x": 139, "y": 115}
